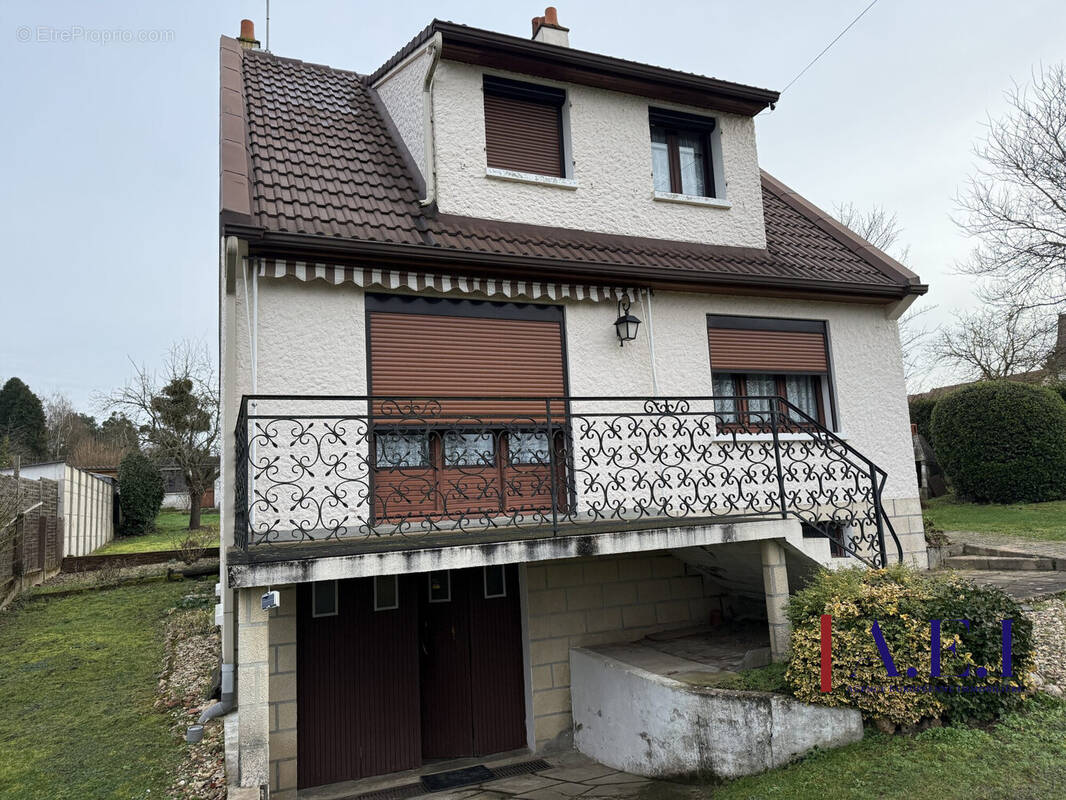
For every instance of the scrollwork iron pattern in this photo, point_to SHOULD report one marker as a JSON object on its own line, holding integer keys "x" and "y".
{"x": 338, "y": 468}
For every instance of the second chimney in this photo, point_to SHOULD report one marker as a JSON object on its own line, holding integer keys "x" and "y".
{"x": 247, "y": 37}
{"x": 548, "y": 30}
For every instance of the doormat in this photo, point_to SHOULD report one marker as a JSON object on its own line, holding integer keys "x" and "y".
{"x": 456, "y": 778}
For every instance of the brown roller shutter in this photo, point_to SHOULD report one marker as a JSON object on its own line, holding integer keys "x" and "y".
{"x": 742, "y": 350}
{"x": 523, "y": 135}
{"x": 426, "y": 355}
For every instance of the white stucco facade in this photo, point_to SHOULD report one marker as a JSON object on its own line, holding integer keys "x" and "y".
{"x": 312, "y": 341}
{"x": 609, "y": 186}
{"x": 401, "y": 91}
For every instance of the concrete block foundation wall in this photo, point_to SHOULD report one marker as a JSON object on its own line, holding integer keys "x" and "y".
{"x": 281, "y": 701}
{"x": 594, "y": 601}
{"x": 906, "y": 516}
{"x": 253, "y": 676}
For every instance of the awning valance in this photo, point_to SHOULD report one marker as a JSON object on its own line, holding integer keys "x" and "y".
{"x": 419, "y": 281}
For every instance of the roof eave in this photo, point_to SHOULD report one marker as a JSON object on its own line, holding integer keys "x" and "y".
{"x": 312, "y": 247}
{"x": 501, "y": 51}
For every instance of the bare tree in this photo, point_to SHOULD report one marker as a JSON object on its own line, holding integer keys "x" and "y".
{"x": 877, "y": 226}
{"x": 178, "y": 413}
{"x": 1015, "y": 204}
{"x": 882, "y": 229}
{"x": 996, "y": 342}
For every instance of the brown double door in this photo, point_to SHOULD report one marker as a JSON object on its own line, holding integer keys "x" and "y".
{"x": 439, "y": 676}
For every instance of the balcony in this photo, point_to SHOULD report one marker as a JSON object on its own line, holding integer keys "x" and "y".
{"x": 343, "y": 475}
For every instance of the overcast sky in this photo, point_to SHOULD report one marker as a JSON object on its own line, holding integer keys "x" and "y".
{"x": 109, "y": 190}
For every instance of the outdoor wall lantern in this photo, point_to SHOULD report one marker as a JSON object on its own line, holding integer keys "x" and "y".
{"x": 626, "y": 325}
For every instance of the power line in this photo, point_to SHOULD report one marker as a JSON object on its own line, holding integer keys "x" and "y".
{"x": 826, "y": 49}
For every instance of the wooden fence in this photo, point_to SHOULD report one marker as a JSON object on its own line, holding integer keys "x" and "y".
{"x": 31, "y": 549}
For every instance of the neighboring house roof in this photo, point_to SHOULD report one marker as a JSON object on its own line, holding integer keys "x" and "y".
{"x": 311, "y": 167}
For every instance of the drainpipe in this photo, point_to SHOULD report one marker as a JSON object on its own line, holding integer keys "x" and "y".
{"x": 427, "y": 113}
{"x": 196, "y": 732}
{"x": 650, "y": 328}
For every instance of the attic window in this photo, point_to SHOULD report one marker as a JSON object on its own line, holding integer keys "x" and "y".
{"x": 524, "y": 127}
{"x": 681, "y": 156}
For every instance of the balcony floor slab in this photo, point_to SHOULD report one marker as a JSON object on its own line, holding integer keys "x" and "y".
{"x": 335, "y": 559}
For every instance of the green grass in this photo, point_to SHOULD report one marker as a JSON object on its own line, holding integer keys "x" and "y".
{"x": 1033, "y": 520}
{"x": 1022, "y": 757}
{"x": 77, "y": 683}
{"x": 171, "y": 528}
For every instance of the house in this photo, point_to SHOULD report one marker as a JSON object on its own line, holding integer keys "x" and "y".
{"x": 521, "y": 352}
{"x": 176, "y": 489}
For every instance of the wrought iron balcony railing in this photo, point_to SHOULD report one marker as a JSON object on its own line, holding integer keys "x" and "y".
{"x": 331, "y": 467}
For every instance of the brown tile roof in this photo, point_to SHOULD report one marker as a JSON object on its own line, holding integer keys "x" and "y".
{"x": 320, "y": 163}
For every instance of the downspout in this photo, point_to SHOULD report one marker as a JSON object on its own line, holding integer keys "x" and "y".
{"x": 427, "y": 126}
{"x": 195, "y": 733}
{"x": 650, "y": 327}
{"x": 227, "y": 700}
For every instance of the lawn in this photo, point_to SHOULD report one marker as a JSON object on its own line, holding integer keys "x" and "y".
{"x": 171, "y": 528}
{"x": 77, "y": 682}
{"x": 1034, "y": 520}
{"x": 1022, "y": 757}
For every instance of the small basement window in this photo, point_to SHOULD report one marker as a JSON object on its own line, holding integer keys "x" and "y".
{"x": 495, "y": 582}
{"x": 681, "y": 157}
{"x": 324, "y": 599}
{"x": 524, "y": 127}
{"x": 440, "y": 586}
{"x": 386, "y": 593}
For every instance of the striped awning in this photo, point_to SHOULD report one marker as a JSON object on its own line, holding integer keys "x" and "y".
{"x": 419, "y": 281}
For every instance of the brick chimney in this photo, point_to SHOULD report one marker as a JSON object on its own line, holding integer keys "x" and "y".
{"x": 548, "y": 30}
{"x": 247, "y": 37}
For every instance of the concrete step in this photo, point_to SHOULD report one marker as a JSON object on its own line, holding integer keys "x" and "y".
{"x": 999, "y": 562}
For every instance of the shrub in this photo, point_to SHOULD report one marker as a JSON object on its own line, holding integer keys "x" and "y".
{"x": 1002, "y": 442}
{"x": 140, "y": 489}
{"x": 921, "y": 410}
{"x": 903, "y": 601}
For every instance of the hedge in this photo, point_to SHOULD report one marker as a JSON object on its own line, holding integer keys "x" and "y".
{"x": 903, "y": 602}
{"x": 1002, "y": 442}
{"x": 140, "y": 489}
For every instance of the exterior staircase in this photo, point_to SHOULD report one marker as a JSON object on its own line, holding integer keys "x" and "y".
{"x": 982, "y": 557}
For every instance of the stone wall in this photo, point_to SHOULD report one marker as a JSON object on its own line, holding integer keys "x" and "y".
{"x": 595, "y": 601}
{"x": 906, "y": 516}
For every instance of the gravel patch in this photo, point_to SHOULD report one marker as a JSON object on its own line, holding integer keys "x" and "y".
{"x": 192, "y": 647}
{"x": 1049, "y": 644}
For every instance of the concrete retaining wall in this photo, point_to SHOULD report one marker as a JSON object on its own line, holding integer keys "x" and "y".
{"x": 647, "y": 724}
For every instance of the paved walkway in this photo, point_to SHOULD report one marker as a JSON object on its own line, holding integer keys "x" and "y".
{"x": 1019, "y": 584}
{"x": 568, "y": 775}
{"x": 1022, "y": 585}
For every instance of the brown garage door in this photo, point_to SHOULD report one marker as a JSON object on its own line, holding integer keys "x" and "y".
{"x": 439, "y": 676}
{"x": 357, "y": 685}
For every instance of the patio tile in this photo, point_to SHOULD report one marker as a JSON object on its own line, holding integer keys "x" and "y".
{"x": 617, "y": 777}
{"x": 578, "y": 773}
{"x": 519, "y": 784}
